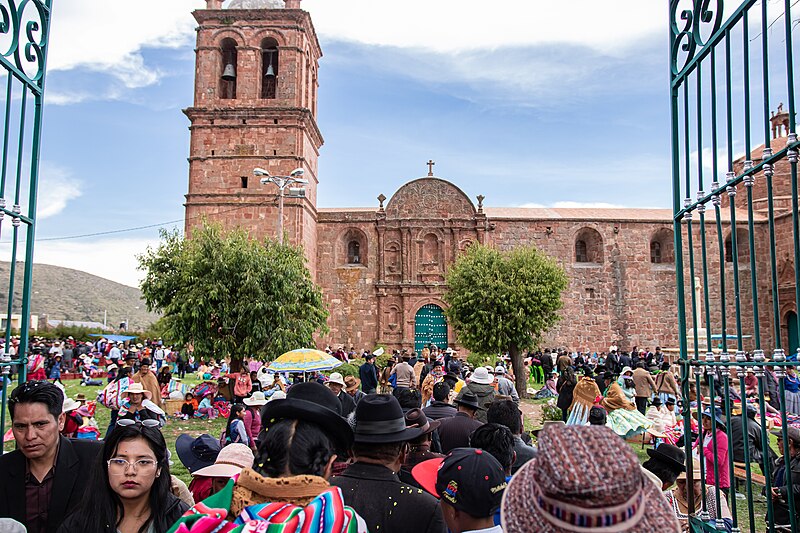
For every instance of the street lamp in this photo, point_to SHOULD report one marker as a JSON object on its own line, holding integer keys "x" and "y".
{"x": 295, "y": 178}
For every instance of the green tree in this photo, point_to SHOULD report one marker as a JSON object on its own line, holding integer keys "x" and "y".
{"x": 226, "y": 294}
{"x": 504, "y": 301}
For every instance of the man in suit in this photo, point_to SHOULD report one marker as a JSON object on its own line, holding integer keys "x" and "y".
{"x": 45, "y": 477}
{"x": 371, "y": 484}
{"x": 439, "y": 408}
{"x": 454, "y": 432}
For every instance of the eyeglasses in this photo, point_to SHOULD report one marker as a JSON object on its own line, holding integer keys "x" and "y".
{"x": 148, "y": 423}
{"x": 119, "y": 466}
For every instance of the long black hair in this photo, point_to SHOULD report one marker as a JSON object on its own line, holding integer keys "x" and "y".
{"x": 124, "y": 372}
{"x": 295, "y": 447}
{"x": 235, "y": 410}
{"x": 101, "y": 508}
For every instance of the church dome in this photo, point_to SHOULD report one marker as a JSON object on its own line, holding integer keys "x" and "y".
{"x": 256, "y": 4}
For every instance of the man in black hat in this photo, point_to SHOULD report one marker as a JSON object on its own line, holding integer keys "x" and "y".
{"x": 470, "y": 483}
{"x": 666, "y": 462}
{"x": 371, "y": 485}
{"x": 454, "y": 431}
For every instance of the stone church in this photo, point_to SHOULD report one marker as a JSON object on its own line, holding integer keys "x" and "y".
{"x": 382, "y": 267}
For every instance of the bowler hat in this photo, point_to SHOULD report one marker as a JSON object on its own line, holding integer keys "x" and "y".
{"x": 379, "y": 419}
{"x": 672, "y": 455}
{"x": 315, "y": 403}
{"x": 197, "y": 453}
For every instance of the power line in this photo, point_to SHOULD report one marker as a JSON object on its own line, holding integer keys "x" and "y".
{"x": 126, "y": 230}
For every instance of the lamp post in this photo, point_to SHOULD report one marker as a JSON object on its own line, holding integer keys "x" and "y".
{"x": 295, "y": 178}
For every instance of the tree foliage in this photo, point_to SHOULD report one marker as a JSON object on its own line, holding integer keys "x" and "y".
{"x": 229, "y": 295}
{"x": 504, "y": 301}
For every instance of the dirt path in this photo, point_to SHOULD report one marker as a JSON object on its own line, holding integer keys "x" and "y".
{"x": 532, "y": 413}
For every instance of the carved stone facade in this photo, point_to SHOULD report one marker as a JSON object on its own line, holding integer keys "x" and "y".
{"x": 382, "y": 269}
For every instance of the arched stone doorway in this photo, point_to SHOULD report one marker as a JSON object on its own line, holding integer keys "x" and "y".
{"x": 430, "y": 327}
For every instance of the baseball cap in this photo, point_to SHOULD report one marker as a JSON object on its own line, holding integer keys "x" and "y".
{"x": 469, "y": 479}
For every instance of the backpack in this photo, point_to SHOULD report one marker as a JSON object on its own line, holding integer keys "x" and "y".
{"x": 110, "y": 395}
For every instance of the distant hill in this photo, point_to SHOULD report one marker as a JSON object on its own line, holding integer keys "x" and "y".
{"x": 67, "y": 294}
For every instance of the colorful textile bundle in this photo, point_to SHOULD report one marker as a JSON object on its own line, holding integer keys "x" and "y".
{"x": 324, "y": 514}
{"x": 585, "y": 395}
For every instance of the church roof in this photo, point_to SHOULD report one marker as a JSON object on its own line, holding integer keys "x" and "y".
{"x": 256, "y": 4}
{"x": 549, "y": 213}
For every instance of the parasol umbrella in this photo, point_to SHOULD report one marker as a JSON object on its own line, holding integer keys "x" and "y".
{"x": 304, "y": 360}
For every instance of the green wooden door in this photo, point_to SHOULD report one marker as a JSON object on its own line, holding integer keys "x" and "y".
{"x": 430, "y": 327}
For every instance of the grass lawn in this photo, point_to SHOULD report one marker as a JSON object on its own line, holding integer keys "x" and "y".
{"x": 171, "y": 431}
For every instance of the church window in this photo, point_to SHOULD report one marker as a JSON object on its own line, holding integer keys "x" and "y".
{"x": 580, "y": 252}
{"x": 244, "y": 182}
{"x": 742, "y": 248}
{"x": 655, "y": 252}
{"x": 269, "y": 69}
{"x": 353, "y": 253}
{"x": 662, "y": 247}
{"x": 588, "y": 246}
{"x": 227, "y": 81}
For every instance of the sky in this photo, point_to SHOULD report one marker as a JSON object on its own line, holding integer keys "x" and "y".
{"x": 528, "y": 102}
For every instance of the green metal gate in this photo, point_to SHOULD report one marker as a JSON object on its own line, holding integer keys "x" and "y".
{"x": 430, "y": 327}
{"x": 24, "y": 33}
{"x": 736, "y": 228}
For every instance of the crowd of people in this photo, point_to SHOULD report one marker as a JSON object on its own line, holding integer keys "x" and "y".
{"x": 424, "y": 443}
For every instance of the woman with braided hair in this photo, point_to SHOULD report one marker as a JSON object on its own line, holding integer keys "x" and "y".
{"x": 301, "y": 438}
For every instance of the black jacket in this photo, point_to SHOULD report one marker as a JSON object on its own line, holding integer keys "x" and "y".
{"x": 454, "y": 432}
{"x": 369, "y": 377}
{"x": 75, "y": 460}
{"x": 174, "y": 510}
{"x": 437, "y": 410}
{"x": 781, "y": 506}
{"x": 348, "y": 403}
{"x": 385, "y": 503}
{"x": 753, "y": 439}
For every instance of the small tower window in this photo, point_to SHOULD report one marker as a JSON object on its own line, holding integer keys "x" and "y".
{"x": 354, "y": 253}
{"x": 244, "y": 182}
{"x": 269, "y": 69}
{"x": 728, "y": 250}
{"x": 655, "y": 252}
{"x": 581, "y": 255}
{"x": 227, "y": 81}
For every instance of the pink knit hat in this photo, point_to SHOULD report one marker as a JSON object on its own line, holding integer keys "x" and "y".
{"x": 585, "y": 479}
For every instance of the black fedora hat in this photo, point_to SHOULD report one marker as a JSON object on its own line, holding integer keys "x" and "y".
{"x": 312, "y": 402}
{"x": 379, "y": 419}
{"x": 656, "y": 401}
{"x": 197, "y": 453}
{"x": 468, "y": 399}
{"x": 670, "y": 454}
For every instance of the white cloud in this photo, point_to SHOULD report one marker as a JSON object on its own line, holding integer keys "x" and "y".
{"x": 109, "y": 36}
{"x": 57, "y": 186}
{"x": 113, "y": 259}
{"x": 457, "y": 25}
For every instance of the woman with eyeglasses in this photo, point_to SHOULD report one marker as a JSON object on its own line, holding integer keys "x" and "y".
{"x": 129, "y": 485}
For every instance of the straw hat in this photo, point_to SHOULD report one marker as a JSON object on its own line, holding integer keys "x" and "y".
{"x": 351, "y": 383}
{"x": 481, "y": 376}
{"x": 336, "y": 378}
{"x": 232, "y": 459}
{"x": 136, "y": 388}
{"x": 70, "y": 405}
{"x": 566, "y": 489}
{"x": 257, "y": 398}
{"x": 695, "y": 472}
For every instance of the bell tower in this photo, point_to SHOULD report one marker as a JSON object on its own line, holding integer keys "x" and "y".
{"x": 255, "y": 106}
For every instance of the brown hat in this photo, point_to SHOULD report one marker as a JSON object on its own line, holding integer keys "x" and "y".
{"x": 565, "y": 489}
{"x": 351, "y": 383}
